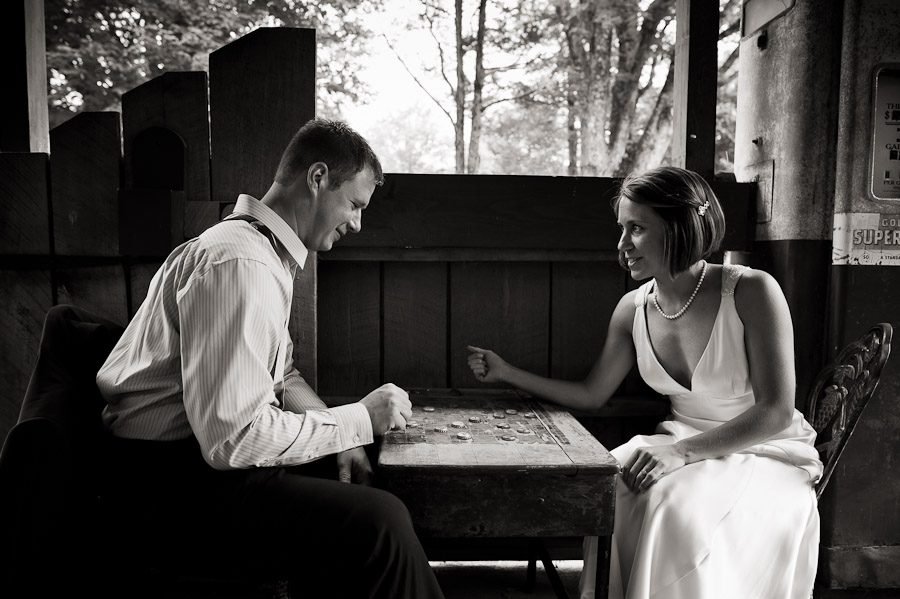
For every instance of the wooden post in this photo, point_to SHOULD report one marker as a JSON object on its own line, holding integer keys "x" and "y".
{"x": 696, "y": 74}
{"x": 262, "y": 89}
{"x": 24, "y": 123}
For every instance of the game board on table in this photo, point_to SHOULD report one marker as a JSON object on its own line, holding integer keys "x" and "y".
{"x": 487, "y": 428}
{"x": 470, "y": 420}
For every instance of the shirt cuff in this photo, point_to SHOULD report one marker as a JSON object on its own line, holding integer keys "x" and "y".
{"x": 354, "y": 425}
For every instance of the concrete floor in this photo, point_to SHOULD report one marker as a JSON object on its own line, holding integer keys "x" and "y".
{"x": 502, "y": 579}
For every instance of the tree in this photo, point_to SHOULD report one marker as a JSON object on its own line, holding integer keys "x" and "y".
{"x": 487, "y": 66}
{"x": 99, "y": 49}
{"x": 612, "y": 78}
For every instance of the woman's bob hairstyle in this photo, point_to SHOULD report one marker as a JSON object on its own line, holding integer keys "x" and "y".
{"x": 694, "y": 221}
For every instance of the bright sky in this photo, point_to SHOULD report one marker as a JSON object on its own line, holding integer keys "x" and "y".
{"x": 392, "y": 86}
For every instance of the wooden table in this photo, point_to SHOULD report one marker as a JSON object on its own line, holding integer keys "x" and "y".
{"x": 529, "y": 469}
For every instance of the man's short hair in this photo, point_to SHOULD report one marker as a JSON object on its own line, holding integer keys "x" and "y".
{"x": 344, "y": 150}
{"x": 694, "y": 223}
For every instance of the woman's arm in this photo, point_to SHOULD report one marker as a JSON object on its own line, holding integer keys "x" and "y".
{"x": 611, "y": 367}
{"x": 769, "y": 343}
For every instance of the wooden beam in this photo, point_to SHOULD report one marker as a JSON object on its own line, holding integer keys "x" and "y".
{"x": 24, "y": 122}
{"x": 696, "y": 73}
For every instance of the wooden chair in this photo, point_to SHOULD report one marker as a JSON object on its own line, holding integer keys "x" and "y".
{"x": 841, "y": 392}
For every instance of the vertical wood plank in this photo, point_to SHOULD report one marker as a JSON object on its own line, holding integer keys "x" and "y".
{"x": 303, "y": 323}
{"x": 84, "y": 176}
{"x": 584, "y": 297}
{"x": 503, "y": 306}
{"x": 177, "y": 102}
{"x": 696, "y": 70}
{"x": 140, "y": 275}
{"x": 25, "y": 295}
{"x": 24, "y": 122}
{"x": 256, "y": 106}
{"x": 199, "y": 216}
{"x": 151, "y": 221}
{"x": 350, "y": 340}
{"x": 97, "y": 289}
{"x": 24, "y": 204}
{"x": 247, "y": 143}
{"x": 415, "y": 324}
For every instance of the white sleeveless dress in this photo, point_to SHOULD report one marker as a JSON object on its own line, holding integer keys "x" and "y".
{"x": 744, "y": 526}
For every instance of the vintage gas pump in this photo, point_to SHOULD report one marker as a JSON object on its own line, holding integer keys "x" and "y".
{"x": 818, "y": 128}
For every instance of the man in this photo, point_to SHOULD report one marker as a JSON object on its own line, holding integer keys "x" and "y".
{"x": 218, "y": 443}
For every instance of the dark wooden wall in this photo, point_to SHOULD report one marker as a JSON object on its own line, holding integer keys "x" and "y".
{"x": 526, "y": 266}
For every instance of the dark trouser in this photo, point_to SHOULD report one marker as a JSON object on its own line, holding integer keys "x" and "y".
{"x": 330, "y": 539}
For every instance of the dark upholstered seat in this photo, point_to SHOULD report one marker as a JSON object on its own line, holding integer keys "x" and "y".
{"x": 56, "y": 541}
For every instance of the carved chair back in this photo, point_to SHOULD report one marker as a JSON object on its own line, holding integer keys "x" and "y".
{"x": 841, "y": 392}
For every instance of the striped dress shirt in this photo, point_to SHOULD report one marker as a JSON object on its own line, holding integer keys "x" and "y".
{"x": 208, "y": 353}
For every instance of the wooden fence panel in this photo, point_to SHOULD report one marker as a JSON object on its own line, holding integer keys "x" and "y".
{"x": 584, "y": 297}
{"x": 101, "y": 289}
{"x": 415, "y": 324}
{"x": 25, "y": 295}
{"x": 24, "y": 204}
{"x": 502, "y": 306}
{"x": 139, "y": 276}
{"x": 304, "y": 321}
{"x": 256, "y": 106}
{"x": 350, "y": 339}
{"x": 84, "y": 175}
{"x": 177, "y": 102}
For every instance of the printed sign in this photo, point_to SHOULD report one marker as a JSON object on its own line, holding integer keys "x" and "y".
{"x": 886, "y": 138}
{"x": 866, "y": 238}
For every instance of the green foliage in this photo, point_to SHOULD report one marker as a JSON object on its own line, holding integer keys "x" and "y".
{"x": 567, "y": 86}
{"x": 99, "y": 49}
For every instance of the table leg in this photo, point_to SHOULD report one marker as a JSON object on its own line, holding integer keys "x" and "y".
{"x": 531, "y": 574}
{"x": 604, "y": 549}
{"x": 552, "y": 574}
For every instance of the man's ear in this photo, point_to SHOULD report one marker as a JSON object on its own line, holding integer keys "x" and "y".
{"x": 317, "y": 177}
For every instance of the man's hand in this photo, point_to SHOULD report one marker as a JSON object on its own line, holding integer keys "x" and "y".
{"x": 389, "y": 407}
{"x": 354, "y": 467}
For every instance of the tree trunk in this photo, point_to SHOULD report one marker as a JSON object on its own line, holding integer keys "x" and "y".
{"x": 572, "y": 134}
{"x": 460, "y": 124}
{"x": 477, "y": 103}
{"x": 646, "y": 151}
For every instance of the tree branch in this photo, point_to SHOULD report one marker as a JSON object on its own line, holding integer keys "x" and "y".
{"x": 440, "y": 49}
{"x": 511, "y": 99}
{"x": 416, "y": 79}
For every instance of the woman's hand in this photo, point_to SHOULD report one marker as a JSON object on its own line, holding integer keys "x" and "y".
{"x": 649, "y": 464}
{"x": 486, "y": 365}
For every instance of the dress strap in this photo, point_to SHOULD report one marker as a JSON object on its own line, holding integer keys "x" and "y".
{"x": 731, "y": 274}
{"x": 640, "y": 298}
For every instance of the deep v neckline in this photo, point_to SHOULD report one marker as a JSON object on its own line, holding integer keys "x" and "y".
{"x": 712, "y": 334}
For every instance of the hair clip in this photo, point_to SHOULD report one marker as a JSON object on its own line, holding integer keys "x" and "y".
{"x": 702, "y": 208}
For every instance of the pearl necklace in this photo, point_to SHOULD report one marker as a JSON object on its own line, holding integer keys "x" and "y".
{"x": 687, "y": 305}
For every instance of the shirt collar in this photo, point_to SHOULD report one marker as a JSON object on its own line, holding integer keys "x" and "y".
{"x": 252, "y": 207}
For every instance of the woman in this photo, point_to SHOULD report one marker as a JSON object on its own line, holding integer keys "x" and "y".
{"x": 720, "y": 502}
